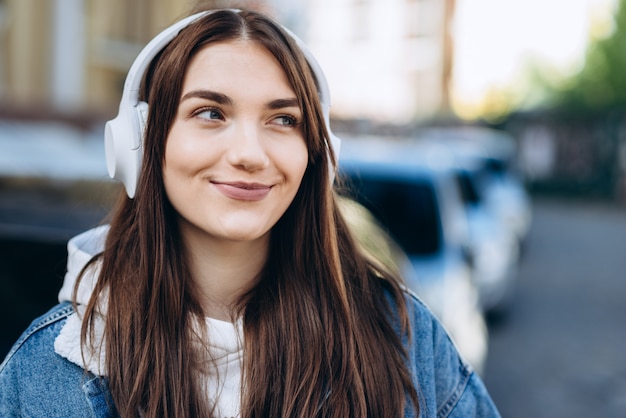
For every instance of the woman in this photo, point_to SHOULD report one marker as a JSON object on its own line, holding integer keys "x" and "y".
{"x": 228, "y": 283}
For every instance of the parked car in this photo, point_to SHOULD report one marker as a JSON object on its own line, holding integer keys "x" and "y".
{"x": 495, "y": 247}
{"x": 375, "y": 241}
{"x": 494, "y": 152}
{"x": 497, "y": 206}
{"x": 415, "y": 198}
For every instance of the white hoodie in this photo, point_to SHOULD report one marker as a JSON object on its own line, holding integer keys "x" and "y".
{"x": 222, "y": 384}
{"x": 80, "y": 250}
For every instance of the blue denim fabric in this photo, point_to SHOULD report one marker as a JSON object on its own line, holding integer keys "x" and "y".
{"x": 447, "y": 386}
{"x": 37, "y": 382}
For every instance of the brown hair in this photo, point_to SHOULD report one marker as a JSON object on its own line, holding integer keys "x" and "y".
{"x": 320, "y": 335}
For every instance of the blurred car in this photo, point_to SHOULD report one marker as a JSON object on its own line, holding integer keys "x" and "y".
{"x": 417, "y": 202}
{"x": 506, "y": 193}
{"x": 494, "y": 152}
{"x": 495, "y": 247}
{"x": 374, "y": 240}
{"x": 497, "y": 206}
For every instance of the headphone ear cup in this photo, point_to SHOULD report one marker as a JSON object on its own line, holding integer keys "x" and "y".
{"x": 335, "y": 144}
{"x": 141, "y": 114}
{"x": 123, "y": 139}
{"x": 109, "y": 148}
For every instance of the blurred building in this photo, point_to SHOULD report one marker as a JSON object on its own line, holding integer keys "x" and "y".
{"x": 73, "y": 55}
{"x": 386, "y": 60}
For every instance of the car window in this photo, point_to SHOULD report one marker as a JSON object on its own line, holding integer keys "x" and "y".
{"x": 407, "y": 208}
{"x": 469, "y": 189}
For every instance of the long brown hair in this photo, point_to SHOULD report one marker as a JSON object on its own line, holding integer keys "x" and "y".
{"x": 321, "y": 337}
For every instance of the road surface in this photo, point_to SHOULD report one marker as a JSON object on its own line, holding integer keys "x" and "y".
{"x": 561, "y": 352}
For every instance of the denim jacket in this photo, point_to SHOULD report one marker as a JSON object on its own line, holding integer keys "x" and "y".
{"x": 39, "y": 380}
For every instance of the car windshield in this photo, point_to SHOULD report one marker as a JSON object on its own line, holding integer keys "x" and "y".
{"x": 469, "y": 190}
{"x": 408, "y": 209}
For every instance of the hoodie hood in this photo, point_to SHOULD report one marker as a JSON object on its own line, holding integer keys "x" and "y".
{"x": 80, "y": 250}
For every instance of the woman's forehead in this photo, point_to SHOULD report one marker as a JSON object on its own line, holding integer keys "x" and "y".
{"x": 224, "y": 63}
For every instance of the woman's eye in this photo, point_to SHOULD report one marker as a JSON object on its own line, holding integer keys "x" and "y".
{"x": 209, "y": 114}
{"x": 286, "y": 120}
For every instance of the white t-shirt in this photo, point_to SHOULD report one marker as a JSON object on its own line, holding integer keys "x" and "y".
{"x": 224, "y": 382}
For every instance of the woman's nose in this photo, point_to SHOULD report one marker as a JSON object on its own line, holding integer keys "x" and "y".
{"x": 246, "y": 148}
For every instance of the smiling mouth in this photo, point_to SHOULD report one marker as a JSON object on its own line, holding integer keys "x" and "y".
{"x": 250, "y": 192}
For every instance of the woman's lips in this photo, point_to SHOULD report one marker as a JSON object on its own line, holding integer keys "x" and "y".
{"x": 243, "y": 191}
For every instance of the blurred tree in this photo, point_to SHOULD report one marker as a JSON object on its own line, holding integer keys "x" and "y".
{"x": 601, "y": 83}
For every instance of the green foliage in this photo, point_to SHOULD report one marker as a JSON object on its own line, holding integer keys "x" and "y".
{"x": 601, "y": 84}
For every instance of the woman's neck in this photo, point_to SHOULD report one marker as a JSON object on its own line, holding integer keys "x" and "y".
{"x": 224, "y": 270}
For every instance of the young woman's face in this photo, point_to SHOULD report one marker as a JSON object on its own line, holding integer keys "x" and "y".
{"x": 235, "y": 155}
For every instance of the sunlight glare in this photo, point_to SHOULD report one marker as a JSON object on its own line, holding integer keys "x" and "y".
{"x": 496, "y": 41}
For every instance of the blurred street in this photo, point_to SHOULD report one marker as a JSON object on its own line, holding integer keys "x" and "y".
{"x": 560, "y": 351}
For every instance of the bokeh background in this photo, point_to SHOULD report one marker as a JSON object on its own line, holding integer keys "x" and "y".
{"x": 551, "y": 74}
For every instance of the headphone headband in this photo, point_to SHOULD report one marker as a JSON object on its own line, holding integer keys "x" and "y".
{"x": 124, "y": 135}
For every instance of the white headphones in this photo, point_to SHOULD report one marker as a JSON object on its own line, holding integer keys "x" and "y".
{"x": 124, "y": 135}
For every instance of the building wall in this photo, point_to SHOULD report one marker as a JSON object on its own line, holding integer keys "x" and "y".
{"x": 386, "y": 60}
{"x": 24, "y": 35}
{"x": 117, "y": 31}
{"x": 73, "y": 55}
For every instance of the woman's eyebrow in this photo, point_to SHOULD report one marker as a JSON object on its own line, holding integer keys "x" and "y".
{"x": 225, "y": 100}
{"x": 283, "y": 103}
{"x": 208, "y": 95}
